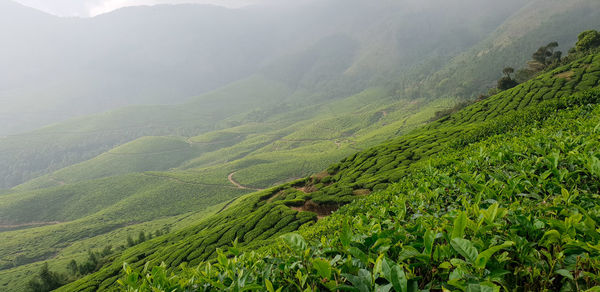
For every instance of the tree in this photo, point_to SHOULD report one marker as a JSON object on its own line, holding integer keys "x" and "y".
{"x": 507, "y": 71}
{"x": 130, "y": 241}
{"x": 545, "y": 56}
{"x": 588, "y": 40}
{"x": 540, "y": 55}
{"x": 524, "y": 75}
{"x": 73, "y": 267}
{"x": 506, "y": 83}
{"x": 141, "y": 237}
{"x": 557, "y": 56}
{"x": 551, "y": 46}
{"x": 46, "y": 280}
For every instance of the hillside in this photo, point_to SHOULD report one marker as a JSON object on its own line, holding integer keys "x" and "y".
{"x": 281, "y": 209}
{"x": 170, "y": 53}
{"x": 332, "y": 67}
{"x": 506, "y": 46}
{"x": 88, "y": 206}
{"x": 96, "y": 183}
{"x": 515, "y": 211}
{"x": 329, "y": 57}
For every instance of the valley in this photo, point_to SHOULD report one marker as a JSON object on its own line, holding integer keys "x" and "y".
{"x": 351, "y": 148}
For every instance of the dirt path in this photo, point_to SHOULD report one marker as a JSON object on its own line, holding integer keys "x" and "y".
{"x": 238, "y": 185}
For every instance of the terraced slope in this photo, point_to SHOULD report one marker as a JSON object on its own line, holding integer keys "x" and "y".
{"x": 267, "y": 212}
{"x": 100, "y": 196}
{"x": 386, "y": 163}
{"x": 517, "y": 212}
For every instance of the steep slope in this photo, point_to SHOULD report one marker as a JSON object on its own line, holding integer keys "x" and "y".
{"x": 262, "y": 216}
{"x": 517, "y": 211}
{"x": 91, "y": 208}
{"x": 277, "y": 144}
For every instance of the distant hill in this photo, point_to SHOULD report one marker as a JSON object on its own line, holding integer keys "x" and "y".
{"x": 166, "y": 54}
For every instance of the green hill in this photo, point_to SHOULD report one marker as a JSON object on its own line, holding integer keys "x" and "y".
{"x": 96, "y": 180}
{"x": 517, "y": 210}
{"x": 258, "y": 218}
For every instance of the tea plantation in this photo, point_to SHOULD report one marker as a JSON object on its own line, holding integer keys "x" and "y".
{"x": 517, "y": 211}
{"x": 469, "y": 202}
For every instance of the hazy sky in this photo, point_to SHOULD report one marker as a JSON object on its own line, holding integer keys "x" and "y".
{"x": 85, "y": 8}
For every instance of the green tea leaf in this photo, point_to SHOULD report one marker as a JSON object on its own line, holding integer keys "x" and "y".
{"x": 269, "y": 285}
{"x": 294, "y": 241}
{"x": 359, "y": 254}
{"x": 428, "y": 240}
{"x": 565, "y": 274}
{"x": 465, "y": 248}
{"x": 484, "y": 257}
{"x": 323, "y": 268}
{"x": 552, "y": 236}
{"x": 346, "y": 235}
{"x": 399, "y": 280}
{"x": 460, "y": 223}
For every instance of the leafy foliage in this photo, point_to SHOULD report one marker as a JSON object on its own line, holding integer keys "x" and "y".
{"x": 46, "y": 281}
{"x": 588, "y": 40}
{"x": 516, "y": 211}
{"x": 256, "y": 219}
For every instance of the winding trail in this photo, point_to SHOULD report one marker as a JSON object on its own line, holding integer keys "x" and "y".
{"x": 238, "y": 185}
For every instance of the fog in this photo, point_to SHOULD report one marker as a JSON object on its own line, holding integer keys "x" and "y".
{"x": 54, "y": 68}
{"x": 90, "y": 8}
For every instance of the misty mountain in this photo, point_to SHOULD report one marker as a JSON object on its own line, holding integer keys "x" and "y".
{"x": 148, "y": 120}
{"x": 55, "y": 68}
{"x": 166, "y": 54}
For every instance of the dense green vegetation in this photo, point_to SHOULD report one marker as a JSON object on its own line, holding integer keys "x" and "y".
{"x": 385, "y": 163}
{"x": 266, "y": 212}
{"x": 98, "y": 180}
{"x": 517, "y": 211}
{"x": 63, "y": 251}
{"x": 80, "y": 209}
